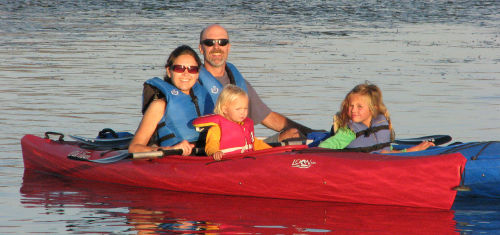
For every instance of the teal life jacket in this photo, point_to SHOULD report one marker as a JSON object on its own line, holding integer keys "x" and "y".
{"x": 176, "y": 123}
{"x": 214, "y": 87}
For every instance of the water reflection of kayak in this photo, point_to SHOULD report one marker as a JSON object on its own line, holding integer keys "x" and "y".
{"x": 161, "y": 211}
{"x": 289, "y": 172}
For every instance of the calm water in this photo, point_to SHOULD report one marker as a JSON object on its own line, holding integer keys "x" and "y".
{"x": 78, "y": 66}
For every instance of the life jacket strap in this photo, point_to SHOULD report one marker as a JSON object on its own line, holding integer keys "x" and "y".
{"x": 242, "y": 148}
{"x": 194, "y": 99}
{"x": 169, "y": 136}
{"x": 367, "y": 132}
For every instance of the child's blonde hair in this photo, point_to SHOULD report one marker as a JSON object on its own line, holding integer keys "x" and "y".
{"x": 229, "y": 94}
{"x": 376, "y": 104}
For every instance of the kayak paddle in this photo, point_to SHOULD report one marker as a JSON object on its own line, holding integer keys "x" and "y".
{"x": 436, "y": 139}
{"x": 123, "y": 142}
{"x": 117, "y": 143}
{"x": 317, "y": 137}
{"x": 116, "y": 158}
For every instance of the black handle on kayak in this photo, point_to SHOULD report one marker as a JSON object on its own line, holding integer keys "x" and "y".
{"x": 61, "y": 135}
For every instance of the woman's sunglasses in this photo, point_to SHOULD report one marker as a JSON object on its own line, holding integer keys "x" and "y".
{"x": 181, "y": 68}
{"x": 211, "y": 42}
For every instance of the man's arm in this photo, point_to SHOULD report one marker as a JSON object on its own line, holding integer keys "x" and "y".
{"x": 260, "y": 113}
{"x": 287, "y": 128}
{"x": 275, "y": 121}
{"x": 279, "y": 122}
{"x": 258, "y": 109}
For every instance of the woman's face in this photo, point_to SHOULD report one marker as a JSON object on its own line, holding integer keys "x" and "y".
{"x": 184, "y": 72}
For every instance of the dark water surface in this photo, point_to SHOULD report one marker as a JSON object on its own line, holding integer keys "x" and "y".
{"x": 78, "y": 66}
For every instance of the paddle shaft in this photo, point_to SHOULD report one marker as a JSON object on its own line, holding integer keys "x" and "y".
{"x": 156, "y": 154}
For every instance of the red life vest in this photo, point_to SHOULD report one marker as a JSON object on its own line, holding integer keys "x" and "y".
{"x": 235, "y": 137}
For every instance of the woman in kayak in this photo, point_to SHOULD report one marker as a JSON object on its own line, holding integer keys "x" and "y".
{"x": 364, "y": 123}
{"x": 231, "y": 131}
{"x": 171, "y": 104}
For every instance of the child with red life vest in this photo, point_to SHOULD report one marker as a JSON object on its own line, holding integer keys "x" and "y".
{"x": 231, "y": 131}
{"x": 364, "y": 125}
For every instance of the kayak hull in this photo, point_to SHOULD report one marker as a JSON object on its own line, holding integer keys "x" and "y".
{"x": 290, "y": 172}
{"x": 482, "y": 170}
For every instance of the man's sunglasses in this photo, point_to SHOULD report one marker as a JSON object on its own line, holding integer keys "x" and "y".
{"x": 211, "y": 42}
{"x": 181, "y": 68}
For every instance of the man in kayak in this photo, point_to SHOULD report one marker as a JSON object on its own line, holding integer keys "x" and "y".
{"x": 217, "y": 72}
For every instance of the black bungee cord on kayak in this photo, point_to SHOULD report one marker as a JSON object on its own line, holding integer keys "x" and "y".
{"x": 482, "y": 149}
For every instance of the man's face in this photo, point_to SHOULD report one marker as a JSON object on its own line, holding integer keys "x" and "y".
{"x": 214, "y": 54}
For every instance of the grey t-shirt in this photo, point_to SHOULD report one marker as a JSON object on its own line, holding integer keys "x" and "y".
{"x": 257, "y": 110}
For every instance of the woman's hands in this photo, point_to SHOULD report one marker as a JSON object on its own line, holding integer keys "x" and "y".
{"x": 186, "y": 147}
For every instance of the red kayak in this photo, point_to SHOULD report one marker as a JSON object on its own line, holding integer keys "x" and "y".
{"x": 289, "y": 172}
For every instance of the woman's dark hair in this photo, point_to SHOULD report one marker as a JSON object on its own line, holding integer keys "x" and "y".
{"x": 181, "y": 50}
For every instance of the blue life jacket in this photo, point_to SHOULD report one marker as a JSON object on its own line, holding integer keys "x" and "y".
{"x": 176, "y": 123}
{"x": 370, "y": 139}
{"x": 214, "y": 87}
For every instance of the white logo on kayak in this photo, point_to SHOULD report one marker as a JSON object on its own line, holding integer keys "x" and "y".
{"x": 302, "y": 163}
{"x": 214, "y": 90}
{"x": 80, "y": 154}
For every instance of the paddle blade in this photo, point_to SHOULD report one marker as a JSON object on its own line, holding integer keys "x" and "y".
{"x": 436, "y": 139}
{"x": 112, "y": 159}
{"x": 442, "y": 140}
{"x": 117, "y": 143}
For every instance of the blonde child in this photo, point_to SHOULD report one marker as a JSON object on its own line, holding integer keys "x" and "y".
{"x": 231, "y": 131}
{"x": 364, "y": 124}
